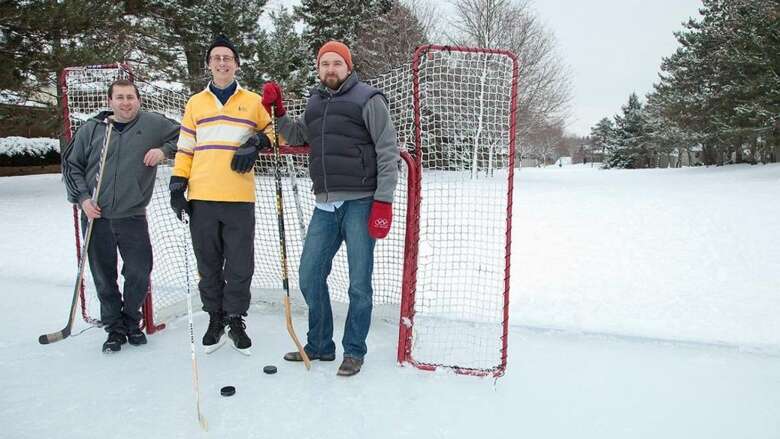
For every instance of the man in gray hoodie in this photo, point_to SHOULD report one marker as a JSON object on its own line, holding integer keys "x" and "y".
{"x": 138, "y": 142}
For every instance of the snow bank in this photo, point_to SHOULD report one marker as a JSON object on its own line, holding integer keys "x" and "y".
{"x": 23, "y": 146}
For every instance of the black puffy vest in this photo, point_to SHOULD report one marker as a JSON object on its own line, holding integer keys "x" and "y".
{"x": 343, "y": 156}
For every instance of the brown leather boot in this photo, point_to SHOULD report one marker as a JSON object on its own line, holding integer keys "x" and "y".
{"x": 350, "y": 366}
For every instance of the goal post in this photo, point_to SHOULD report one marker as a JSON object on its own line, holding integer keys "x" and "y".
{"x": 443, "y": 271}
{"x": 455, "y": 303}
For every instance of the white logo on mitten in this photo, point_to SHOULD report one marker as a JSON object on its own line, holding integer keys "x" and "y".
{"x": 381, "y": 223}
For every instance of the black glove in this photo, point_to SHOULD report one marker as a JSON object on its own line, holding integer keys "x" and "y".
{"x": 246, "y": 156}
{"x": 179, "y": 203}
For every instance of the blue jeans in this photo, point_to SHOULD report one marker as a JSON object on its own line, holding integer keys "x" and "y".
{"x": 327, "y": 230}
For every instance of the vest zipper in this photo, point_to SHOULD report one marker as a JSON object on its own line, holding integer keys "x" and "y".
{"x": 324, "y": 119}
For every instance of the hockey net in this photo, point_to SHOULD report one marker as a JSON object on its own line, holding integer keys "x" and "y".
{"x": 445, "y": 263}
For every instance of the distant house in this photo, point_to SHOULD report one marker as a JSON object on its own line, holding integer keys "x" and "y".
{"x": 588, "y": 154}
{"x": 26, "y": 119}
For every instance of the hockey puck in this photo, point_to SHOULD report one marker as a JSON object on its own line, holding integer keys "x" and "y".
{"x": 270, "y": 370}
{"x": 227, "y": 391}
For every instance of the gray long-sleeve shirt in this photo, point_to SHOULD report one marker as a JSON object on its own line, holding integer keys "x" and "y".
{"x": 376, "y": 116}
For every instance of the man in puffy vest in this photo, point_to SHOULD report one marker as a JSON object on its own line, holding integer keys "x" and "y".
{"x": 354, "y": 170}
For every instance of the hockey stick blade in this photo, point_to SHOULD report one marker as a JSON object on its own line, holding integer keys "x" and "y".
{"x": 54, "y": 336}
{"x": 65, "y": 332}
{"x": 291, "y": 331}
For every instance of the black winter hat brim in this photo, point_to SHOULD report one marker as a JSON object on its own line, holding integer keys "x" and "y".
{"x": 222, "y": 41}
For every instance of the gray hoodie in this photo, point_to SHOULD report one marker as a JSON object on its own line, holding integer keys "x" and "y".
{"x": 127, "y": 184}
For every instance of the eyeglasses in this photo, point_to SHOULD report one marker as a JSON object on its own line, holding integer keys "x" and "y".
{"x": 222, "y": 58}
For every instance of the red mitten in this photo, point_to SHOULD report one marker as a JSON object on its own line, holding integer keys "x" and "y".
{"x": 379, "y": 219}
{"x": 272, "y": 96}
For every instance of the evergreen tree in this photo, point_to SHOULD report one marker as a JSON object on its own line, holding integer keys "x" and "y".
{"x": 39, "y": 38}
{"x": 630, "y": 149}
{"x": 388, "y": 40}
{"x": 665, "y": 133}
{"x": 341, "y": 20}
{"x": 281, "y": 56}
{"x": 722, "y": 82}
{"x": 602, "y": 136}
{"x": 161, "y": 39}
{"x": 170, "y": 37}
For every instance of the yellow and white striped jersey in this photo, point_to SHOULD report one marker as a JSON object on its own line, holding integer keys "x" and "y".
{"x": 210, "y": 134}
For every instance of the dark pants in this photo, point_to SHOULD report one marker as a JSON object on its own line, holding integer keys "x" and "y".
{"x": 131, "y": 236}
{"x": 223, "y": 237}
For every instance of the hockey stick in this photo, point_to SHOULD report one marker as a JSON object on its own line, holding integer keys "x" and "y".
{"x": 195, "y": 383}
{"x": 296, "y": 195}
{"x": 65, "y": 332}
{"x": 283, "y": 243}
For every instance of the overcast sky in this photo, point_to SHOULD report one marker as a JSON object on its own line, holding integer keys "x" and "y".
{"x": 612, "y": 47}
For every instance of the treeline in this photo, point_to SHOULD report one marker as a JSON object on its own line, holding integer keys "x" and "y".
{"x": 165, "y": 40}
{"x": 717, "y": 100}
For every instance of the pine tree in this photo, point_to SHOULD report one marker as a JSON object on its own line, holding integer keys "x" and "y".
{"x": 39, "y": 38}
{"x": 281, "y": 56}
{"x": 722, "y": 82}
{"x": 341, "y": 20}
{"x": 170, "y": 37}
{"x": 630, "y": 149}
{"x": 665, "y": 133}
{"x": 602, "y": 136}
{"x": 387, "y": 41}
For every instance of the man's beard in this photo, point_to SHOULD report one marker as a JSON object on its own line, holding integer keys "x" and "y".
{"x": 333, "y": 82}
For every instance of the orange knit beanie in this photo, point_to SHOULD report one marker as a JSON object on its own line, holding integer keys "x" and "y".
{"x": 338, "y": 48}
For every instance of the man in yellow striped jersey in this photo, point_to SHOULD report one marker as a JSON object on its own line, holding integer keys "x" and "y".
{"x": 221, "y": 135}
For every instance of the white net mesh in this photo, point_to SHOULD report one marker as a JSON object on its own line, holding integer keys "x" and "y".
{"x": 86, "y": 91}
{"x": 465, "y": 120}
{"x": 459, "y": 221}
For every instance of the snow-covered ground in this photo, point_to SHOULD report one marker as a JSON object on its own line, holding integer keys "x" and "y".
{"x": 644, "y": 304}
{"x": 682, "y": 254}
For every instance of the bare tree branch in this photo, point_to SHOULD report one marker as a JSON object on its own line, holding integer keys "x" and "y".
{"x": 544, "y": 82}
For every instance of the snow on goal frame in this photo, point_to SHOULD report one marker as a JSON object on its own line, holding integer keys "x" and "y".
{"x": 446, "y": 261}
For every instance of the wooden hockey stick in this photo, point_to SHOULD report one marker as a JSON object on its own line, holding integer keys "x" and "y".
{"x": 283, "y": 243}
{"x": 65, "y": 332}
